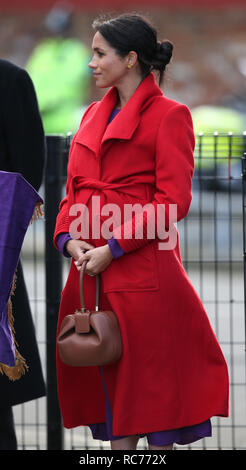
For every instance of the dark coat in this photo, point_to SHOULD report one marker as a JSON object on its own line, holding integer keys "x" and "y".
{"x": 22, "y": 150}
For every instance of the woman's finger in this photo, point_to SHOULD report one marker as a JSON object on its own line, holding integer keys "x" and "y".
{"x": 90, "y": 264}
{"x": 82, "y": 257}
{"x": 87, "y": 246}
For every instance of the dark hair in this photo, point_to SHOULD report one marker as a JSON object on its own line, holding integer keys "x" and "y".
{"x": 132, "y": 32}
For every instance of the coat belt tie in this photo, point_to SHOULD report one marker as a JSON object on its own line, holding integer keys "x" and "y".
{"x": 131, "y": 188}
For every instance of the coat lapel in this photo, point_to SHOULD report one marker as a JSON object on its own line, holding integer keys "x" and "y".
{"x": 95, "y": 133}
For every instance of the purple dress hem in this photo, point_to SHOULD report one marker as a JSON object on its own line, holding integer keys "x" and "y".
{"x": 182, "y": 436}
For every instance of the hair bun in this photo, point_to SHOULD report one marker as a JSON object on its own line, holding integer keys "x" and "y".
{"x": 164, "y": 52}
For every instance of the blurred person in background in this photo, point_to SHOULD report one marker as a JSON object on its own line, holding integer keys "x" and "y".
{"x": 136, "y": 146}
{"x": 22, "y": 150}
{"x": 58, "y": 67}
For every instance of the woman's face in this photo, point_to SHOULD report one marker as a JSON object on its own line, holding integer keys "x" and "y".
{"x": 109, "y": 69}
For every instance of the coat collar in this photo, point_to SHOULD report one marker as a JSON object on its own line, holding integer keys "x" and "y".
{"x": 95, "y": 132}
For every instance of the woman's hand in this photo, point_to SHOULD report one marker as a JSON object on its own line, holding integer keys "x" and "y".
{"x": 98, "y": 260}
{"x": 77, "y": 247}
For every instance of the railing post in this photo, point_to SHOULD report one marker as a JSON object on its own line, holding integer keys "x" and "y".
{"x": 244, "y": 228}
{"x": 53, "y": 271}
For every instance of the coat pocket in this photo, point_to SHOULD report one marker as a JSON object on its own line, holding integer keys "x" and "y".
{"x": 133, "y": 272}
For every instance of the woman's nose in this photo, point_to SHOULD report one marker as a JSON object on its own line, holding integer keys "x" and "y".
{"x": 92, "y": 64}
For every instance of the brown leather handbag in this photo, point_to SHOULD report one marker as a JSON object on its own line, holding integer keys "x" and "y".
{"x": 89, "y": 338}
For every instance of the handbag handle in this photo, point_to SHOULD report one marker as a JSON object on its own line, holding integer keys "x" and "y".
{"x": 82, "y": 299}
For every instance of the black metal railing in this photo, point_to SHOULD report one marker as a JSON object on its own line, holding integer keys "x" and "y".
{"x": 213, "y": 247}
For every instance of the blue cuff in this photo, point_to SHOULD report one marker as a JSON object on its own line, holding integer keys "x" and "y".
{"x": 62, "y": 239}
{"x": 115, "y": 248}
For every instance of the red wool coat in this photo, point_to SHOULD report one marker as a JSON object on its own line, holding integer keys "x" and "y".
{"x": 172, "y": 373}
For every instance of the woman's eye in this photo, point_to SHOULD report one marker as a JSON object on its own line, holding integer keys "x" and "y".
{"x": 100, "y": 54}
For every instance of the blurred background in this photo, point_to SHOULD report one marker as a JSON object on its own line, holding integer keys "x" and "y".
{"x": 52, "y": 41}
{"x": 209, "y": 61}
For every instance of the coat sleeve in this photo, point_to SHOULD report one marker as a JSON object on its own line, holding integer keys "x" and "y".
{"x": 63, "y": 220}
{"x": 24, "y": 131}
{"x": 174, "y": 168}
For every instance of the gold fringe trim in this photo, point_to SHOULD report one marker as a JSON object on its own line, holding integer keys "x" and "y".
{"x": 38, "y": 212}
{"x": 15, "y": 372}
{"x": 20, "y": 368}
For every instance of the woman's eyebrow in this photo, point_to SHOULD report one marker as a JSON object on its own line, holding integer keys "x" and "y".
{"x": 97, "y": 49}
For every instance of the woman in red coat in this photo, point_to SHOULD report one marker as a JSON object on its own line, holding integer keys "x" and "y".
{"x": 134, "y": 149}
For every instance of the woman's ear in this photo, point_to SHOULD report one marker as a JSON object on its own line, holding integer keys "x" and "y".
{"x": 132, "y": 59}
